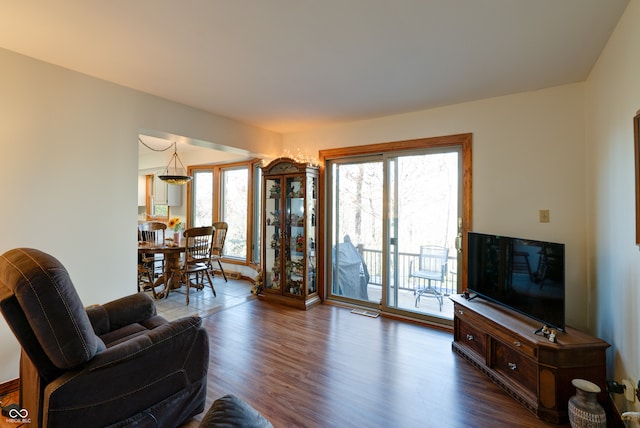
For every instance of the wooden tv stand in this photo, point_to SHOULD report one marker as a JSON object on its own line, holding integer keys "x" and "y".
{"x": 536, "y": 372}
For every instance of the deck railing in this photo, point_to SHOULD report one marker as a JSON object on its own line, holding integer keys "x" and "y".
{"x": 373, "y": 261}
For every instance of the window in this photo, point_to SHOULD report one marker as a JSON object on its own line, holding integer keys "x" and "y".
{"x": 257, "y": 212}
{"x": 202, "y": 189}
{"x": 227, "y": 192}
{"x": 154, "y": 211}
{"x": 234, "y": 204}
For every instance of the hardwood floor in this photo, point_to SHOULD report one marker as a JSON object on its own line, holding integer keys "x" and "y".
{"x": 327, "y": 367}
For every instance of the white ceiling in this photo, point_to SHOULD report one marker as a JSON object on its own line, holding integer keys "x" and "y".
{"x": 288, "y": 65}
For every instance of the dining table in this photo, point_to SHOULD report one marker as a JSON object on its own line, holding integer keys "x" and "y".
{"x": 171, "y": 277}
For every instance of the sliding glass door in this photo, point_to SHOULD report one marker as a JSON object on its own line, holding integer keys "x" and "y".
{"x": 394, "y": 228}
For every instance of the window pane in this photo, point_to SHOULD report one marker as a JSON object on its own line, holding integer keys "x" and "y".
{"x": 257, "y": 218}
{"x": 202, "y": 198}
{"x": 234, "y": 197}
{"x": 161, "y": 211}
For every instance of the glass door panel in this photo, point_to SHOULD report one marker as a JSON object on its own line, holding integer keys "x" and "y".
{"x": 294, "y": 235}
{"x": 392, "y": 255}
{"x": 424, "y": 206}
{"x": 272, "y": 233}
{"x": 357, "y": 229}
{"x": 312, "y": 197}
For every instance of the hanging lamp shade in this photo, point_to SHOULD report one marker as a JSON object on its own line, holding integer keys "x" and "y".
{"x": 175, "y": 175}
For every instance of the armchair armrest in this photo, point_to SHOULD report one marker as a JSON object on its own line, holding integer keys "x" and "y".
{"x": 121, "y": 312}
{"x": 155, "y": 365}
{"x": 172, "y": 333}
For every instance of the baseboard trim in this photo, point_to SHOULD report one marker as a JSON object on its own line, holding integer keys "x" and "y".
{"x": 9, "y": 386}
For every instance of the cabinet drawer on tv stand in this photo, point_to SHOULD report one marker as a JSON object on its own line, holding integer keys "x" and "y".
{"x": 516, "y": 342}
{"x": 473, "y": 338}
{"x": 514, "y": 365}
{"x": 468, "y": 317}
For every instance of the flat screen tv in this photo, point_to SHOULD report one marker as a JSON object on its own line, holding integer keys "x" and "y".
{"x": 522, "y": 274}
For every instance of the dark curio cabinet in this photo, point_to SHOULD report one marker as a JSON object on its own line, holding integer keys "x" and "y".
{"x": 289, "y": 232}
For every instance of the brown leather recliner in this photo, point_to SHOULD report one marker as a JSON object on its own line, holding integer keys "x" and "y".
{"x": 118, "y": 364}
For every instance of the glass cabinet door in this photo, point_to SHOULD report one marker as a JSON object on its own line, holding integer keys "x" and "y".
{"x": 272, "y": 234}
{"x": 295, "y": 235}
{"x": 311, "y": 233}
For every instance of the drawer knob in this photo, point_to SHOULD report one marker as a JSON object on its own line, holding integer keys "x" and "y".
{"x": 461, "y": 312}
{"x": 516, "y": 343}
{"x": 469, "y": 336}
{"x": 512, "y": 366}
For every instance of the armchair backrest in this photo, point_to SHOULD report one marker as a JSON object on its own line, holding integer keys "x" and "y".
{"x": 44, "y": 311}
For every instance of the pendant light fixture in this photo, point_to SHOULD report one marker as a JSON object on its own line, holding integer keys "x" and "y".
{"x": 172, "y": 174}
{"x": 175, "y": 175}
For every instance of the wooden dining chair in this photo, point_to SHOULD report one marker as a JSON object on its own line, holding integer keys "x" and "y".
{"x": 150, "y": 234}
{"x": 219, "y": 236}
{"x": 198, "y": 246}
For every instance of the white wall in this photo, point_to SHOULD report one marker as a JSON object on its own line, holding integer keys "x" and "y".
{"x": 613, "y": 97}
{"x": 528, "y": 154}
{"x": 69, "y": 155}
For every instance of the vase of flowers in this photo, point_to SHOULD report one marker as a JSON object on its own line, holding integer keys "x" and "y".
{"x": 176, "y": 225}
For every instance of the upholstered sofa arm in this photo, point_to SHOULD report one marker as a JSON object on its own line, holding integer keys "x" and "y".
{"x": 121, "y": 312}
{"x": 150, "y": 366}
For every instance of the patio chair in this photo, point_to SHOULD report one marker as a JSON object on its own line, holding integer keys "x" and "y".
{"x": 432, "y": 267}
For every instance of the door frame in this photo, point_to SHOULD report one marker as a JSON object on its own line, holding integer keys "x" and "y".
{"x": 463, "y": 141}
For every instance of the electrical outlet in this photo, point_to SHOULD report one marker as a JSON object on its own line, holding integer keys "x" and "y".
{"x": 544, "y": 216}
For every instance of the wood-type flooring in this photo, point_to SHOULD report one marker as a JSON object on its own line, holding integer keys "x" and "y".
{"x": 327, "y": 367}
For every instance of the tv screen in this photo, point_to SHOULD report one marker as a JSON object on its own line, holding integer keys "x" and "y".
{"x": 522, "y": 274}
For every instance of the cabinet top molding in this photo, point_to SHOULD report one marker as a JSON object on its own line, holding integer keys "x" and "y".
{"x": 286, "y": 165}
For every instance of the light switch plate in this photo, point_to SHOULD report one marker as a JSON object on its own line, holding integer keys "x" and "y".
{"x": 544, "y": 216}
